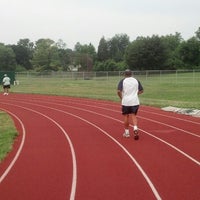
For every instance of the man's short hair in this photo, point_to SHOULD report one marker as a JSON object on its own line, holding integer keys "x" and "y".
{"x": 127, "y": 72}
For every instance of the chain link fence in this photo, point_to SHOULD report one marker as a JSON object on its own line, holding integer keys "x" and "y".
{"x": 190, "y": 76}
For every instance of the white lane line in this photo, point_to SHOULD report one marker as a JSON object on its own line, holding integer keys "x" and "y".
{"x": 155, "y": 192}
{"x": 20, "y": 147}
{"x": 175, "y": 148}
{"x": 157, "y": 122}
{"x": 88, "y": 103}
{"x": 171, "y": 117}
{"x": 74, "y": 164}
{"x": 179, "y": 129}
{"x": 161, "y": 140}
{"x": 172, "y": 146}
{"x": 154, "y": 121}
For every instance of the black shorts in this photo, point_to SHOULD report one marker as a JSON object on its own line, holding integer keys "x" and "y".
{"x": 129, "y": 110}
{"x": 6, "y": 86}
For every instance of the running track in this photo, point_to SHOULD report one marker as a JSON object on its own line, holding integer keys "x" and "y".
{"x": 71, "y": 148}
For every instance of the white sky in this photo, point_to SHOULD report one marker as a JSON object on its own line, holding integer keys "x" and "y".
{"x": 87, "y": 21}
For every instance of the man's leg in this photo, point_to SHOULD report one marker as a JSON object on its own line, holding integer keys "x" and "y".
{"x": 135, "y": 127}
{"x": 126, "y": 126}
{"x": 126, "y": 121}
{"x": 134, "y": 120}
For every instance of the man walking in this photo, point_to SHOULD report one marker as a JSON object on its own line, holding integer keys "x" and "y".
{"x": 128, "y": 90}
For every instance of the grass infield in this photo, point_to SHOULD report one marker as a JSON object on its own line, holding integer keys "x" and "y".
{"x": 160, "y": 91}
{"x": 7, "y": 134}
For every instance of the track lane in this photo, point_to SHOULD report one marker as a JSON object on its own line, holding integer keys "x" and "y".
{"x": 11, "y": 159}
{"x": 109, "y": 190}
{"x": 166, "y": 131}
{"x": 37, "y": 171}
{"x": 148, "y": 154}
{"x": 166, "y": 125}
{"x": 164, "y": 160}
{"x": 186, "y": 185}
{"x": 190, "y": 180}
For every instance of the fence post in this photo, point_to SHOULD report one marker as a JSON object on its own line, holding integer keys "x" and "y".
{"x": 193, "y": 76}
{"x": 146, "y": 74}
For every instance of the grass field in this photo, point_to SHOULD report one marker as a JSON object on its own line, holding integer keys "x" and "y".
{"x": 7, "y": 134}
{"x": 160, "y": 91}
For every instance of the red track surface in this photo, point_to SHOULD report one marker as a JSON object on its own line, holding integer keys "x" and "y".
{"x": 72, "y": 148}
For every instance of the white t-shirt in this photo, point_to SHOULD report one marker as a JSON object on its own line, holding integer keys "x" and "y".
{"x": 6, "y": 80}
{"x": 129, "y": 87}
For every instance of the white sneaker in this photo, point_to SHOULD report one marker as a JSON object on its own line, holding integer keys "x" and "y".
{"x": 126, "y": 135}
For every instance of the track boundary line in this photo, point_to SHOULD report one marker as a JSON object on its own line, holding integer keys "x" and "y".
{"x": 161, "y": 140}
{"x": 155, "y": 192}
{"x": 179, "y": 129}
{"x": 74, "y": 176}
{"x": 172, "y": 146}
{"x": 172, "y": 117}
{"x": 141, "y": 110}
{"x": 10, "y": 166}
{"x": 99, "y": 122}
{"x": 182, "y": 130}
{"x": 168, "y": 144}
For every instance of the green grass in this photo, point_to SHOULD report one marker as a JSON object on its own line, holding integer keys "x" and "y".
{"x": 165, "y": 90}
{"x": 7, "y": 134}
{"x": 183, "y": 91}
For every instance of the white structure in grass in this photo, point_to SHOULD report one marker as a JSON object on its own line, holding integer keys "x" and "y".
{"x": 74, "y": 68}
{"x": 186, "y": 111}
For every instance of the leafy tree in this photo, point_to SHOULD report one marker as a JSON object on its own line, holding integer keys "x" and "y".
{"x": 85, "y": 55}
{"x": 146, "y": 53}
{"x": 46, "y": 55}
{"x": 83, "y": 59}
{"x": 117, "y": 53}
{"x": 7, "y": 58}
{"x": 24, "y": 53}
{"x": 198, "y": 34}
{"x": 65, "y": 57}
{"x": 61, "y": 44}
{"x": 103, "y": 51}
{"x": 117, "y": 47}
{"x": 189, "y": 52}
{"x": 110, "y": 65}
{"x": 134, "y": 54}
{"x": 85, "y": 49}
{"x": 113, "y": 49}
{"x": 172, "y": 43}
{"x": 98, "y": 66}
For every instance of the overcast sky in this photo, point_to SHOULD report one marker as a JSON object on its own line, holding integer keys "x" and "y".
{"x": 87, "y": 21}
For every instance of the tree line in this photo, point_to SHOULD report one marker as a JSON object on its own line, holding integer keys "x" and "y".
{"x": 168, "y": 52}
